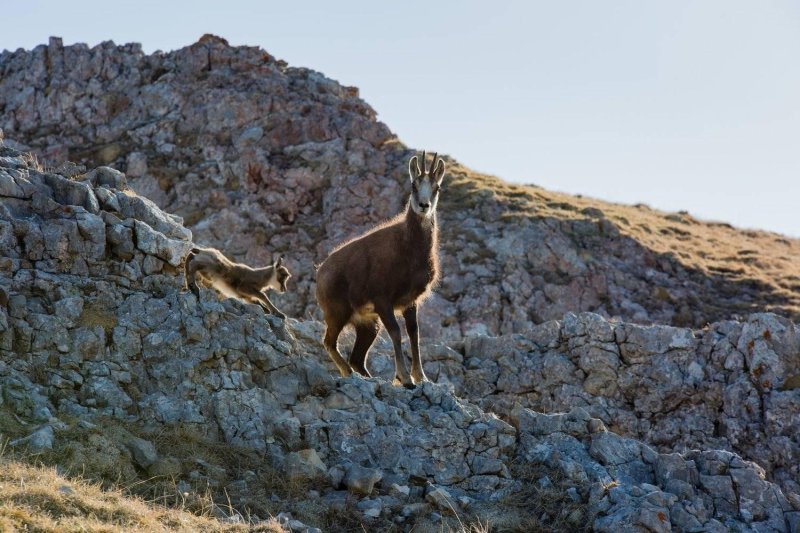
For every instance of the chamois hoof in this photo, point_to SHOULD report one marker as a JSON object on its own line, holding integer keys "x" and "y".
{"x": 361, "y": 370}
{"x": 398, "y": 381}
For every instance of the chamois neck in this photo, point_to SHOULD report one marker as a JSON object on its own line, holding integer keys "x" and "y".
{"x": 416, "y": 222}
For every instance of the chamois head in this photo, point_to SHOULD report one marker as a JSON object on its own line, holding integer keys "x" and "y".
{"x": 281, "y": 275}
{"x": 425, "y": 184}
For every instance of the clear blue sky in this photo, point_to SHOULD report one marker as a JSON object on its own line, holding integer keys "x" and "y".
{"x": 680, "y": 104}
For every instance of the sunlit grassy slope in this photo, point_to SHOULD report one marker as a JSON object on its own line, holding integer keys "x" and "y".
{"x": 37, "y": 498}
{"x": 769, "y": 263}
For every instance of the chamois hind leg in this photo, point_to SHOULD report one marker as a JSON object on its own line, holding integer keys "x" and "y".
{"x": 391, "y": 325}
{"x": 333, "y": 327}
{"x": 190, "y": 271}
{"x": 410, "y": 316}
{"x": 365, "y": 336}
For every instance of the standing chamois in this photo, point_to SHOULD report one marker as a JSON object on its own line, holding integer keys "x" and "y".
{"x": 388, "y": 270}
{"x": 236, "y": 280}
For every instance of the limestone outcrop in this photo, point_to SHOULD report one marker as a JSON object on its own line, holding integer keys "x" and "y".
{"x": 260, "y": 158}
{"x": 94, "y": 322}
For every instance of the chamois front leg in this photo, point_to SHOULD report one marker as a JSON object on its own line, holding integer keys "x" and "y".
{"x": 393, "y": 328}
{"x": 261, "y": 299}
{"x": 417, "y": 373}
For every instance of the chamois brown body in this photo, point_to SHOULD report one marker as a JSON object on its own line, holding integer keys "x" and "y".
{"x": 236, "y": 280}
{"x": 388, "y": 270}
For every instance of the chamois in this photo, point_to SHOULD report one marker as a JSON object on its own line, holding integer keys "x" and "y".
{"x": 236, "y": 280}
{"x": 387, "y": 270}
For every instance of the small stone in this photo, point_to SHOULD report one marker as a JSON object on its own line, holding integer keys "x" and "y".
{"x": 441, "y": 499}
{"x": 152, "y": 265}
{"x": 336, "y": 475}
{"x": 399, "y": 490}
{"x": 143, "y": 451}
{"x": 136, "y": 164}
{"x": 296, "y": 526}
{"x": 361, "y": 480}
{"x": 40, "y": 440}
{"x": 304, "y": 465}
{"x": 544, "y": 482}
{"x": 69, "y": 309}
{"x": 370, "y": 508}
{"x": 250, "y": 135}
{"x": 107, "y": 176}
{"x": 596, "y": 425}
{"x": 413, "y": 509}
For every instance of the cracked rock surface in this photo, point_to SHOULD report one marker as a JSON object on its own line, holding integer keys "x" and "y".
{"x": 261, "y": 158}
{"x": 94, "y": 322}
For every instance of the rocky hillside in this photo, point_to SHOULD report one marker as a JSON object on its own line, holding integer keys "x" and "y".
{"x": 94, "y": 327}
{"x": 261, "y": 158}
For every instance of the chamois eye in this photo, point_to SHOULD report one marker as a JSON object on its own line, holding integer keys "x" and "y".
{"x": 414, "y": 187}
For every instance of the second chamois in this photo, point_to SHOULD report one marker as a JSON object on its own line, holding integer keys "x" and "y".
{"x": 388, "y": 270}
{"x": 236, "y": 280}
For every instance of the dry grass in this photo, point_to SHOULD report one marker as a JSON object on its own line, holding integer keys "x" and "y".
{"x": 89, "y": 483}
{"x": 36, "y": 498}
{"x": 766, "y": 263}
{"x": 105, "y": 491}
{"x": 533, "y": 508}
{"x": 97, "y": 314}
{"x": 32, "y": 161}
{"x": 98, "y": 458}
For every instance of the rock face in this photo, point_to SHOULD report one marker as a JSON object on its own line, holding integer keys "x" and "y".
{"x": 731, "y": 386}
{"x": 93, "y": 321}
{"x": 261, "y": 158}
{"x": 633, "y": 488}
{"x": 107, "y": 337}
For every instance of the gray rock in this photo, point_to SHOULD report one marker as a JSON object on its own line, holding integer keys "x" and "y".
{"x": 118, "y": 337}
{"x": 143, "y": 451}
{"x": 39, "y": 441}
{"x": 361, "y": 480}
{"x": 441, "y": 499}
{"x": 371, "y": 508}
{"x": 304, "y": 465}
{"x": 108, "y": 177}
{"x": 152, "y": 242}
{"x": 136, "y": 164}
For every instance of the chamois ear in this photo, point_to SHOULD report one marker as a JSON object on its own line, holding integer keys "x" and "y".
{"x": 279, "y": 261}
{"x": 438, "y": 171}
{"x": 414, "y": 171}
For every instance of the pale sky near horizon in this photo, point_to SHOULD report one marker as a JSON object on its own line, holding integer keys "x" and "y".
{"x": 680, "y": 104}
